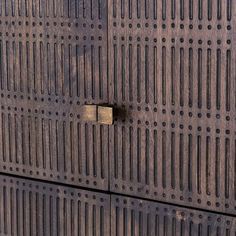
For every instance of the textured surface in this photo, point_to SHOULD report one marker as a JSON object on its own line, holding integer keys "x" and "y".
{"x": 53, "y": 61}
{"x": 132, "y": 217}
{"x": 172, "y": 71}
{"x": 34, "y": 208}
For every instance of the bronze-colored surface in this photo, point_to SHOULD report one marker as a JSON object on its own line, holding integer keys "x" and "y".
{"x": 35, "y": 208}
{"x": 161, "y": 75}
{"x": 105, "y": 115}
{"x": 172, "y": 69}
{"x": 89, "y": 113}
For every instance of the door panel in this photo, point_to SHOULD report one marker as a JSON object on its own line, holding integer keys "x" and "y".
{"x": 172, "y": 73}
{"x": 137, "y": 217}
{"x": 36, "y": 208}
{"x": 53, "y": 61}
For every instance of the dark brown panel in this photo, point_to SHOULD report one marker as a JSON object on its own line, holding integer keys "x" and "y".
{"x": 172, "y": 73}
{"x": 52, "y": 61}
{"x": 35, "y": 208}
{"x": 131, "y": 217}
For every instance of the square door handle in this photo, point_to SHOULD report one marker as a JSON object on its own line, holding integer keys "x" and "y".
{"x": 98, "y": 113}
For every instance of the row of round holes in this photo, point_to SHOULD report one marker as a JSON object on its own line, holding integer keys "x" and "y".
{"x": 36, "y": 111}
{"x": 51, "y": 175}
{"x": 173, "y": 40}
{"x": 190, "y": 114}
{"x": 78, "y": 116}
{"x": 54, "y": 36}
{"x": 139, "y": 122}
{"x": 199, "y": 201}
{"x": 173, "y": 25}
{"x": 51, "y": 189}
{"x": 84, "y": 25}
{"x": 39, "y": 99}
{"x": 183, "y": 214}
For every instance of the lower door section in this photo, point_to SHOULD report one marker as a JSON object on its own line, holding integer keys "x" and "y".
{"x": 134, "y": 217}
{"x": 36, "y": 208}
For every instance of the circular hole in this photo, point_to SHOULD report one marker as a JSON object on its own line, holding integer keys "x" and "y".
{"x": 209, "y": 27}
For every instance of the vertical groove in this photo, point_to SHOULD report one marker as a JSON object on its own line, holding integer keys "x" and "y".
{"x": 78, "y": 69}
{"x": 229, "y": 10}
{"x": 155, "y": 74}
{"x": 199, "y": 78}
{"x": 190, "y": 88}
{"x": 123, "y": 151}
{"x": 124, "y": 222}
{"x": 130, "y": 72}
{"x": 123, "y": 71}
{"x": 131, "y": 153}
{"x": 100, "y": 73}
{"x": 79, "y": 148}
{"x": 173, "y": 9}
{"x": 208, "y": 165}
{"x": 1, "y": 66}
{"x": 173, "y": 160}
{"x": 190, "y": 9}
{"x": 72, "y": 158}
{"x": 209, "y": 12}
{"x": 181, "y": 9}
{"x": 181, "y": 162}
{"x": 70, "y": 69}
{"x": 163, "y": 75}
{"x": 228, "y": 80}
{"x": 138, "y": 73}
{"x": 208, "y": 85}
{"x": 173, "y": 75}
{"x": 163, "y": 10}
{"x": 139, "y": 154}
{"x": 181, "y": 87}
{"x": 155, "y": 157}
{"x": 218, "y": 79}
{"x": 147, "y": 74}
{"x": 190, "y": 161}
{"x": 94, "y": 150}
{"x": 102, "y": 151}
{"x": 200, "y": 9}
{"x": 164, "y": 159}
{"x": 199, "y": 151}
{"x": 115, "y": 152}
{"x": 227, "y": 167}
{"x": 147, "y": 157}
{"x": 219, "y": 9}
{"x": 86, "y": 140}
{"x": 217, "y": 167}
{"x": 115, "y": 71}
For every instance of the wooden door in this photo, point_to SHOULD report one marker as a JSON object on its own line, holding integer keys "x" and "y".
{"x": 172, "y": 70}
{"x": 167, "y": 164}
{"x": 53, "y": 61}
